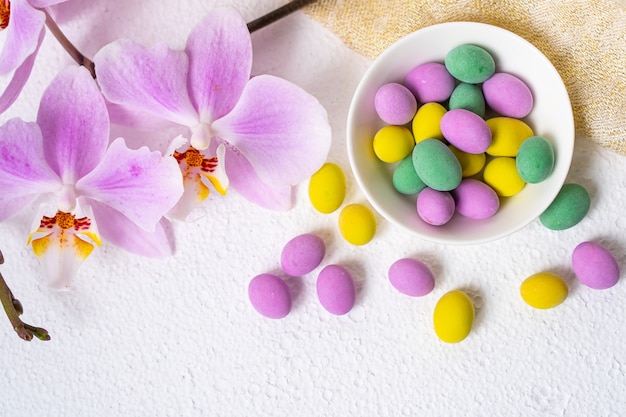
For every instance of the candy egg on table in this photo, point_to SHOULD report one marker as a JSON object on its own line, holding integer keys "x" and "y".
{"x": 544, "y": 290}
{"x": 302, "y": 254}
{"x": 327, "y": 188}
{"x": 453, "y": 317}
{"x": 411, "y": 277}
{"x": 595, "y": 266}
{"x": 357, "y": 224}
{"x": 568, "y": 208}
{"x": 270, "y": 296}
{"x": 336, "y": 289}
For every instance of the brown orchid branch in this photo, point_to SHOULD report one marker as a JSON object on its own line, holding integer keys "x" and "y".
{"x": 13, "y": 309}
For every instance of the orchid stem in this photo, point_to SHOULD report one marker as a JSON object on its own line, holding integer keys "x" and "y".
{"x": 69, "y": 47}
{"x": 277, "y": 14}
{"x": 13, "y": 309}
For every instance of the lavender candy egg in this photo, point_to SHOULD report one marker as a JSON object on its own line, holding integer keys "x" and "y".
{"x": 508, "y": 95}
{"x": 435, "y": 207}
{"x": 336, "y": 290}
{"x": 595, "y": 266}
{"x": 411, "y": 277}
{"x": 270, "y": 296}
{"x": 302, "y": 254}
{"x": 430, "y": 82}
{"x": 475, "y": 199}
{"x": 395, "y": 104}
{"x": 466, "y": 130}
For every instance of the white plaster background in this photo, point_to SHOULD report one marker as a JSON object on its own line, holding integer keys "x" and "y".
{"x": 178, "y": 337}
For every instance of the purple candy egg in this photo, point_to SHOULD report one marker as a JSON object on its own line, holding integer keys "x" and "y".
{"x": 435, "y": 207}
{"x": 395, "y": 104}
{"x": 270, "y": 296}
{"x": 429, "y": 82}
{"x": 475, "y": 199}
{"x": 595, "y": 266}
{"x": 411, "y": 277}
{"x": 508, "y": 95}
{"x": 336, "y": 289}
{"x": 302, "y": 254}
{"x": 466, "y": 130}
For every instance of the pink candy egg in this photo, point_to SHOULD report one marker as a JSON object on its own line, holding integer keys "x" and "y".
{"x": 466, "y": 130}
{"x": 430, "y": 82}
{"x": 595, "y": 266}
{"x": 270, "y": 296}
{"x": 302, "y": 254}
{"x": 411, "y": 277}
{"x": 435, "y": 207}
{"x": 336, "y": 290}
{"x": 475, "y": 199}
{"x": 508, "y": 95}
{"x": 395, "y": 104}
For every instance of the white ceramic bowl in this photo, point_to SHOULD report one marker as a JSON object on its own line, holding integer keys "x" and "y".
{"x": 551, "y": 118}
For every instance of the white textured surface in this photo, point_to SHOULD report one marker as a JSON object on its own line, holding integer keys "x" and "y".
{"x": 179, "y": 338}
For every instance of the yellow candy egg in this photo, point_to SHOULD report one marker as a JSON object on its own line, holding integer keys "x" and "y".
{"x": 426, "y": 122}
{"x": 357, "y": 224}
{"x": 327, "y": 188}
{"x": 393, "y": 143}
{"x": 501, "y": 174}
{"x": 453, "y": 317}
{"x": 471, "y": 163}
{"x": 544, "y": 290}
{"x": 507, "y": 134}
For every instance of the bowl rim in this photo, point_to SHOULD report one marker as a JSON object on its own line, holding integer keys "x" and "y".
{"x": 565, "y": 154}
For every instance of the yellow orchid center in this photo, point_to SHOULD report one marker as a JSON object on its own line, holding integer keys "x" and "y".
{"x": 5, "y": 13}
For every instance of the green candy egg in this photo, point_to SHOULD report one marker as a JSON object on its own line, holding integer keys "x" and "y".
{"x": 436, "y": 165}
{"x": 405, "y": 179}
{"x": 470, "y": 64}
{"x": 568, "y": 208}
{"x": 535, "y": 159}
{"x": 469, "y": 97}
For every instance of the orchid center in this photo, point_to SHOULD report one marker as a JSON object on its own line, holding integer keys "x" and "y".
{"x": 5, "y": 13}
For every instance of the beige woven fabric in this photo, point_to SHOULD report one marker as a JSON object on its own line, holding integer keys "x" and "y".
{"x": 585, "y": 40}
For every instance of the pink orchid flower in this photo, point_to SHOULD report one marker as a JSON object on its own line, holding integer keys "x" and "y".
{"x": 86, "y": 186}
{"x": 24, "y": 23}
{"x": 260, "y": 135}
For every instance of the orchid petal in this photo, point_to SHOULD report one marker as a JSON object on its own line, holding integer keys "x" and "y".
{"x": 40, "y": 4}
{"x": 119, "y": 230}
{"x": 19, "y": 78}
{"x": 24, "y": 173}
{"x": 23, "y": 35}
{"x": 151, "y": 81}
{"x": 220, "y": 61}
{"x": 282, "y": 130}
{"x": 195, "y": 192}
{"x": 245, "y": 181}
{"x": 74, "y": 124}
{"x": 140, "y": 184}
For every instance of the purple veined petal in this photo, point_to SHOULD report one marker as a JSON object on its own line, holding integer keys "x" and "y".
{"x": 119, "y": 230}
{"x": 280, "y": 129}
{"x": 245, "y": 181}
{"x": 24, "y": 173}
{"x": 220, "y": 60}
{"x": 40, "y": 4}
{"x": 152, "y": 81}
{"x": 74, "y": 123}
{"x": 23, "y": 35}
{"x": 140, "y": 184}
{"x": 19, "y": 78}
{"x": 123, "y": 116}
